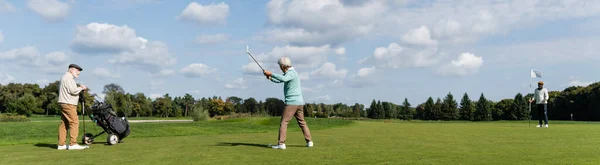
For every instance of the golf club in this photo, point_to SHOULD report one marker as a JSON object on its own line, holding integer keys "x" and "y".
{"x": 82, "y": 100}
{"x": 248, "y": 51}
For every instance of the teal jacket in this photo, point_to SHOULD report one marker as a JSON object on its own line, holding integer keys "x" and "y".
{"x": 291, "y": 88}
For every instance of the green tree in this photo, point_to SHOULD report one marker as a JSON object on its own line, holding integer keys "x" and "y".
{"x": 26, "y": 105}
{"x": 466, "y": 108}
{"x": 483, "y": 110}
{"x": 251, "y": 105}
{"x": 450, "y": 108}
{"x": 163, "y": 105}
{"x": 373, "y": 110}
{"x": 428, "y": 110}
{"x": 390, "y": 110}
{"x": 520, "y": 107}
{"x": 405, "y": 113}
{"x": 188, "y": 101}
{"x": 437, "y": 109}
{"x": 505, "y": 108}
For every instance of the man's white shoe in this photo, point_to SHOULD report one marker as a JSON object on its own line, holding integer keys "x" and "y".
{"x": 63, "y": 147}
{"x": 310, "y": 144}
{"x": 77, "y": 147}
{"x": 546, "y": 126}
{"x": 280, "y": 146}
{"x": 539, "y": 126}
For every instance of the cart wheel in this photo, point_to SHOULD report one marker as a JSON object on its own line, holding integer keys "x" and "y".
{"x": 112, "y": 139}
{"x": 87, "y": 139}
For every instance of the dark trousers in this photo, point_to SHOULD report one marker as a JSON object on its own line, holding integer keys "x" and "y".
{"x": 543, "y": 113}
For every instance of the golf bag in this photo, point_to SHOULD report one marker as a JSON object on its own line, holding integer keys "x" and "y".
{"x": 117, "y": 127}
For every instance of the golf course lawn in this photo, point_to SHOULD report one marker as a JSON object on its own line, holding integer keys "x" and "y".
{"x": 244, "y": 141}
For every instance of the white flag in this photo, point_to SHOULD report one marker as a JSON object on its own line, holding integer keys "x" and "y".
{"x": 536, "y": 74}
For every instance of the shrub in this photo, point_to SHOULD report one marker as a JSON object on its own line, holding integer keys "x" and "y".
{"x": 199, "y": 114}
{"x": 13, "y": 118}
{"x": 234, "y": 115}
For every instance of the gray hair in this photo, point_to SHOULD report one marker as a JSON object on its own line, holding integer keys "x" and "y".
{"x": 285, "y": 61}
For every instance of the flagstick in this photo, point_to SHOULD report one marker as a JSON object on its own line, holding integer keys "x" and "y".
{"x": 529, "y": 121}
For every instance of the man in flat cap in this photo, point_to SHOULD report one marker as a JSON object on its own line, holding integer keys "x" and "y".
{"x": 68, "y": 97}
{"x": 541, "y": 98}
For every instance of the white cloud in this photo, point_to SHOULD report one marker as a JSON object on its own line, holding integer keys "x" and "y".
{"x": 104, "y": 73}
{"x": 396, "y": 56}
{"x": 328, "y": 71}
{"x": 466, "y": 64}
{"x": 205, "y": 14}
{"x": 164, "y": 73}
{"x": 364, "y": 77}
{"x": 54, "y": 63}
{"x": 580, "y": 83}
{"x": 324, "y": 98}
{"x": 459, "y": 21}
{"x": 50, "y": 10}
{"x": 238, "y": 83}
{"x": 304, "y": 75}
{"x": 559, "y": 51}
{"x": 364, "y": 72}
{"x": 1, "y": 37}
{"x": 302, "y": 58}
{"x": 106, "y": 38}
{"x": 155, "y": 84}
{"x": 154, "y": 96}
{"x": 419, "y": 36}
{"x": 130, "y": 49}
{"x": 253, "y": 68}
{"x": 316, "y": 89}
{"x": 42, "y": 82}
{"x": 152, "y": 58}
{"x": 296, "y": 24}
{"x": 30, "y": 58}
{"x": 6, "y": 7}
{"x": 197, "y": 70}
{"x": 340, "y": 51}
{"x": 27, "y": 54}
{"x": 211, "y": 39}
{"x": 6, "y": 79}
{"x": 57, "y": 58}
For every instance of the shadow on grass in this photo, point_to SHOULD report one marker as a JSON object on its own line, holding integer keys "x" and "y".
{"x": 242, "y": 144}
{"x": 54, "y": 146}
{"x": 251, "y": 144}
{"x": 46, "y": 145}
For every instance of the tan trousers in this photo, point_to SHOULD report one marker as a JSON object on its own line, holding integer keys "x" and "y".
{"x": 286, "y": 116}
{"x": 69, "y": 121}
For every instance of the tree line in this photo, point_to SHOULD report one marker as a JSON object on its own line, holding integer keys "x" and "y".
{"x": 573, "y": 103}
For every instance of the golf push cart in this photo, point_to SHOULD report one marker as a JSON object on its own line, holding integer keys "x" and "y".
{"x": 104, "y": 116}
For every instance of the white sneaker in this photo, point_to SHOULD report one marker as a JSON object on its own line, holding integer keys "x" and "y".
{"x": 539, "y": 126}
{"x": 281, "y": 146}
{"x": 546, "y": 126}
{"x": 310, "y": 144}
{"x": 63, "y": 147}
{"x": 77, "y": 147}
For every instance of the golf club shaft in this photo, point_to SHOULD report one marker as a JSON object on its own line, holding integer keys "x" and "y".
{"x": 255, "y": 61}
{"x": 248, "y": 51}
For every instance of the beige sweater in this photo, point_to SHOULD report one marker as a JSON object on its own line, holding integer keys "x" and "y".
{"x": 68, "y": 92}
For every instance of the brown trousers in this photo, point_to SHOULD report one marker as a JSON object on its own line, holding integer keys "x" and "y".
{"x": 69, "y": 121}
{"x": 286, "y": 116}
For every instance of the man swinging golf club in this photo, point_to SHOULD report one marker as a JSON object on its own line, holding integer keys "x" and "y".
{"x": 541, "y": 98}
{"x": 293, "y": 100}
{"x": 68, "y": 97}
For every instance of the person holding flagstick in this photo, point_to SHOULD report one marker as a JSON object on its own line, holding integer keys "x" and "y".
{"x": 541, "y": 97}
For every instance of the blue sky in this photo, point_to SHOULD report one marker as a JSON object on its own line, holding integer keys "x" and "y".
{"x": 346, "y": 51}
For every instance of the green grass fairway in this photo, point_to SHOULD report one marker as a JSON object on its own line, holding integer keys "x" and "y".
{"x": 244, "y": 141}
